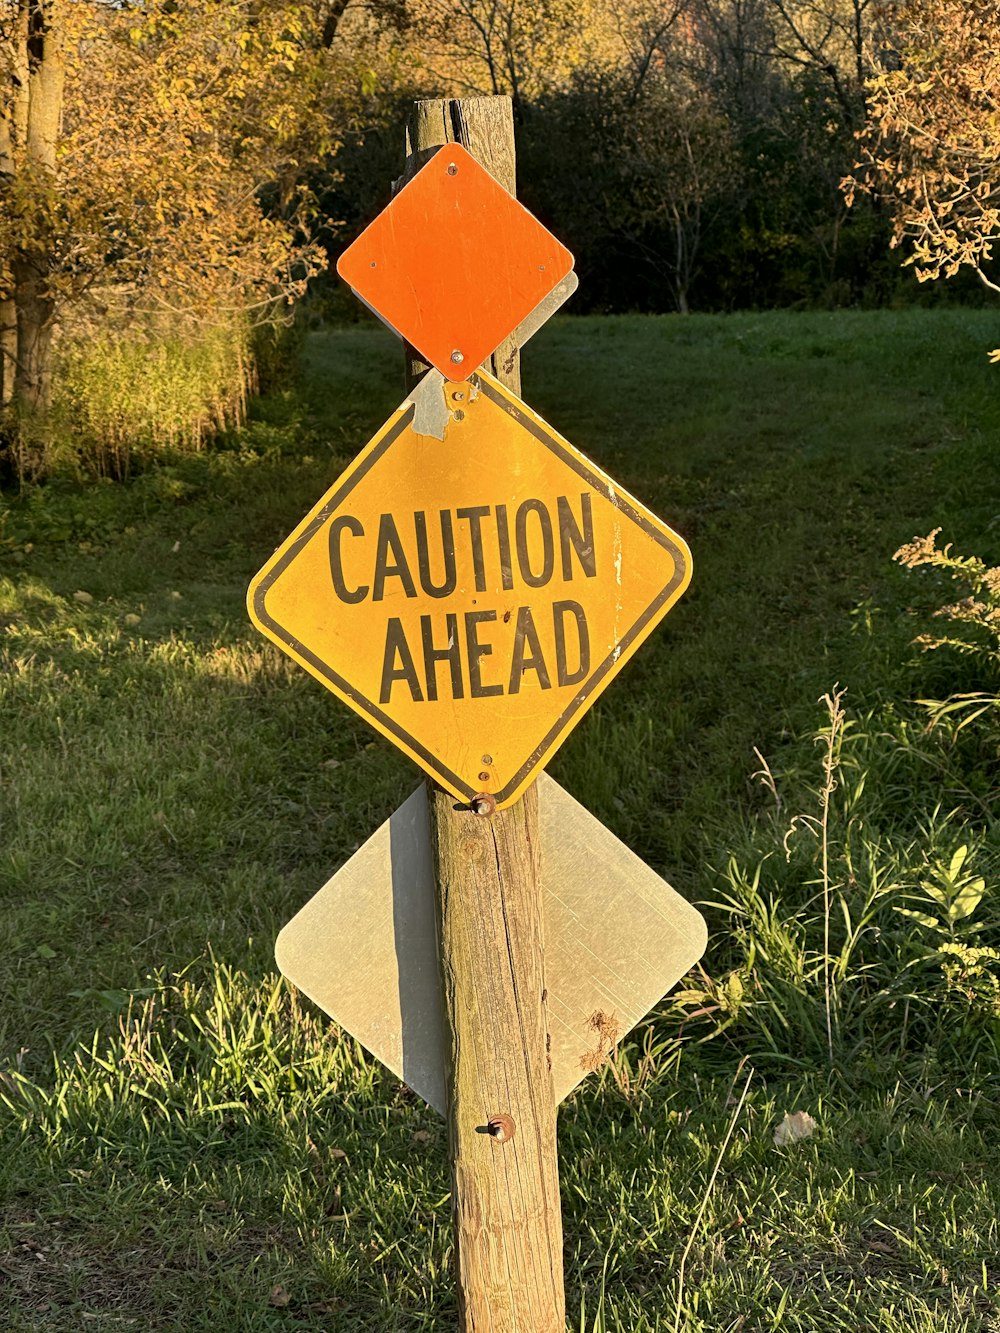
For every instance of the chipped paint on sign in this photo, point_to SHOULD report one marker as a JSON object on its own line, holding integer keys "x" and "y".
{"x": 430, "y": 406}
{"x": 454, "y": 585}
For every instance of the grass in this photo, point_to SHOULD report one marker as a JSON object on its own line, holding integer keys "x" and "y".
{"x": 186, "y": 1145}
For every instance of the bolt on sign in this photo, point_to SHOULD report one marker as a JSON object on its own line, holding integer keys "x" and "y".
{"x": 454, "y": 263}
{"x": 470, "y": 585}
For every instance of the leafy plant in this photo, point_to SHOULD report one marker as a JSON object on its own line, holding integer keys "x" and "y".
{"x": 973, "y": 622}
{"x": 952, "y": 894}
{"x": 947, "y": 906}
{"x": 844, "y": 938}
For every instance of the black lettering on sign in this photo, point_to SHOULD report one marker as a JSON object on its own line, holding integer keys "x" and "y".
{"x": 526, "y": 508}
{"x": 447, "y": 554}
{"x": 389, "y": 544}
{"x": 560, "y": 612}
{"x": 450, "y": 653}
{"x": 527, "y": 655}
{"x": 477, "y": 650}
{"x": 576, "y": 538}
{"x": 344, "y": 523}
{"x": 503, "y": 545}
{"x": 396, "y": 646}
{"x": 474, "y": 516}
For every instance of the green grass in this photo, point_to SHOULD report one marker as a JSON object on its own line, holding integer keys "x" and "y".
{"x": 186, "y": 1145}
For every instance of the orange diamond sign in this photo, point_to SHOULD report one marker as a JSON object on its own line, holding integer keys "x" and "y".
{"x": 470, "y": 585}
{"x": 454, "y": 263}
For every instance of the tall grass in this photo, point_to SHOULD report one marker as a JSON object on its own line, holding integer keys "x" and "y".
{"x": 189, "y": 1146}
{"x": 153, "y": 384}
{"x": 861, "y": 908}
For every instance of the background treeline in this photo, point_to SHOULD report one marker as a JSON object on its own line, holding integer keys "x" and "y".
{"x": 175, "y": 176}
{"x": 689, "y": 152}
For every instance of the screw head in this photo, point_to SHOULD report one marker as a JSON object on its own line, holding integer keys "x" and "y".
{"x": 487, "y": 759}
{"x": 501, "y": 1127}
{"x": 483, "y": 804}
{"x": 452, "y": 169}
{"x": 457, "y": 357}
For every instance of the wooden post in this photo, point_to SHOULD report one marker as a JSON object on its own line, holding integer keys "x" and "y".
{"x": 502, "y": 1115}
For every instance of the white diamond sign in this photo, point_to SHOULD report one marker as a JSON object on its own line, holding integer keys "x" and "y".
{"x": 617, "y": 937}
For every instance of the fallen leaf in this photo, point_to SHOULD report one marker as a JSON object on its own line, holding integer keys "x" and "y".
{"x": 337, "y": 1152}
{"x": 132, "y": 619}
{"x": 175, "y": 596}
{"x": 81, "y": 596}
{"x": 175, "y": 548}
{"x": 422, "y": 1136}
{"x": 279, "y": 1297}
{"x": 325, "y": 1307}
{"x": 795, "y": 1126}
{"x": 882, "y": 1247}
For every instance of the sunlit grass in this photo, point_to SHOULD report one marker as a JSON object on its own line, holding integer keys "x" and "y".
{"x": 188, "y": 1145}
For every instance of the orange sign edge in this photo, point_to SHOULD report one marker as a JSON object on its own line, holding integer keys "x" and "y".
{"x": 449, "y": 371}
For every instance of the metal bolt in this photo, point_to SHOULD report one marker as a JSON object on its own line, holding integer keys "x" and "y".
{"x": 452, "y": 169}
{"x": 487, "y": 759}
{"x": 457, "y": 357}
{"x": 459, "y": 414}
{"x": 483, "y": 804}
{"x": 484, "y": 777}
{"x": 501, "y": 1127}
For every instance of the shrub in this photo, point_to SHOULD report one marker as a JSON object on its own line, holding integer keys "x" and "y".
{"x": 155, "y": 385}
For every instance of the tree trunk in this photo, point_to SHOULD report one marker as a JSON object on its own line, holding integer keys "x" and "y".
{"x": 13, "y": 137}
{"x": 36, "y": 312}
{"x": 31, "y": 266}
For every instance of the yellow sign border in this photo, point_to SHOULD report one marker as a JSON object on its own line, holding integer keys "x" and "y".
{"x": 595, "y": 683}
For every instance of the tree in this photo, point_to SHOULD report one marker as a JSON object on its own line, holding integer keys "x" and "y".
{"x": 151, "y": 158}
{"x": 630, "y": 173}
{"x": 828, "y": 38}
{"x": 676, "y": 149}
{"x": 930, "y": 146}
{"x": 521, "y": 48}
{"x": 31, "y": 104}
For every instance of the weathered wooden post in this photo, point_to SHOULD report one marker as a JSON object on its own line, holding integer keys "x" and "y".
{"x": 501, "y": 1109}
{"x": 470, "y": 585}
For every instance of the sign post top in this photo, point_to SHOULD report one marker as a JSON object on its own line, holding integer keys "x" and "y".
{"x": 454, "y": 263}
{"x": 472, "y": 613}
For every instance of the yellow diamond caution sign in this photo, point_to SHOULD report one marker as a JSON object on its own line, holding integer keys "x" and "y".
{"x": 470, "y": 585}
